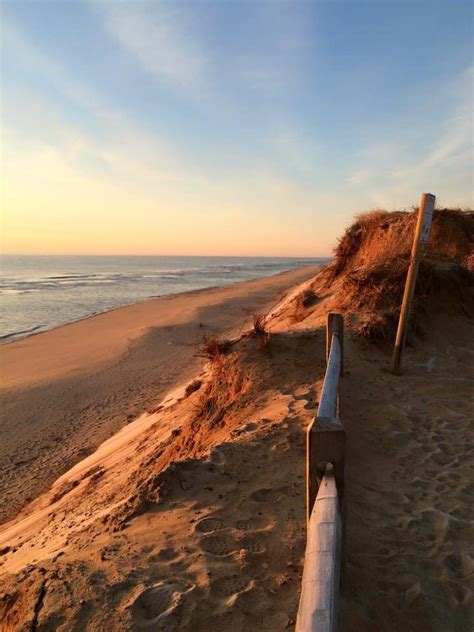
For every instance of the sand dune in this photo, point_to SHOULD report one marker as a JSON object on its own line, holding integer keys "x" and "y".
{"x": 205, "y": 538}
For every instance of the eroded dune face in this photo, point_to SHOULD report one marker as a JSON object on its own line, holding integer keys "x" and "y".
{"x": 193, "y": 516}
{"x": 195, "y": 509}
{"x": 366, "y": 279}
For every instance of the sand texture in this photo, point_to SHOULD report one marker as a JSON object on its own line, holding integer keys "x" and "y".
{"x": 209, "y": 527}
{"x": 409, "y": 561}
{"x": 65, "y": 391}
{"x": 192, "y": 516}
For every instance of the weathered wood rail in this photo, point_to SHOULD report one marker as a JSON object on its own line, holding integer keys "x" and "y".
{"x": 325, "y": 452}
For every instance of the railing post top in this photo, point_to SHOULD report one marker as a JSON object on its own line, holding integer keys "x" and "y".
{"x": 335, "y": 322}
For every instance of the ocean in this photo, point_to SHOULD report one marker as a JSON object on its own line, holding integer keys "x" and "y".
{"x": 39, "y": 292}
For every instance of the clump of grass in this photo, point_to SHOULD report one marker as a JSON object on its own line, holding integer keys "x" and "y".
{"x": 207, "y": 407}
{"x": 214, "y": 349}
{"x": 378, "y": 234}
{"x": 379, "y": 328}
{"x": 260, "y": 329}
{"x": 375, "y": 215}
{"x": 217, "y": 394}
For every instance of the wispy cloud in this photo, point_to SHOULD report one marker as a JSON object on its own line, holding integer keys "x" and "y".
{"x": 33, "y": 117}
{"x": 453, "y": 139}
{"x": 16, "y": 44}
{"x": 394, "y": 175}
{"x": 179, "y": 44}
{"x": 161, "y": 37}
{"x": 123, "y": 171}
{"x": 456, "y": 140}
{"x": 124, "y": 154}
{"x": 295, "y": 150}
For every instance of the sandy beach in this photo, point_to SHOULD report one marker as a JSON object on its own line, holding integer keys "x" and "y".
{"x": 237, "y": 316}
{"x": 192, "y": 516}
{"x": 208, "y": 525}
{"x": 65, "y": 391}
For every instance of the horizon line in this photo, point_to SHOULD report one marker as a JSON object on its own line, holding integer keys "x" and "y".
{"x": 78, "y": 254}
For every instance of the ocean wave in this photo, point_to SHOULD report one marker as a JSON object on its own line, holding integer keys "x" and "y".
{"x": 65, "y": 291}
{"x": 195, "y": 274}
{"x": 58, "y": 282}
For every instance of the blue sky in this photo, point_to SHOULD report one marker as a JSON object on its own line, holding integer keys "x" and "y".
{"x": 228, "y": 127}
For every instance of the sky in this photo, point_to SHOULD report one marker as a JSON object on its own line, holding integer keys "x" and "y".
{"x": 227, "y": 127}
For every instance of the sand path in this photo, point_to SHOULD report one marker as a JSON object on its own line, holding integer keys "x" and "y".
{"x": 410, "y": 470}
{"x": 63, "y": 392}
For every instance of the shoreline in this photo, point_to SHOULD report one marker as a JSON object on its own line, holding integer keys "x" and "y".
{"x": 68, "y": 389}
{"x": 32, "y": 332}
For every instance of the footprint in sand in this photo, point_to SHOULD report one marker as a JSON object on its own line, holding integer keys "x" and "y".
{"x": 461, "y": 565}
{"x": 156, "y": 607}
{"x": 165, "y": 555}
{"x": 220, "y": 545}
{"x": 268, "y": 495}
{"x": 229, "y": 585}
{"x": 253, "y": 523}
{"x": 253, "y": 543}
{"x": 208, "y": 525}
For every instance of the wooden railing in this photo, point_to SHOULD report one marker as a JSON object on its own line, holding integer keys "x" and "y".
{"x": 325, "y": 451}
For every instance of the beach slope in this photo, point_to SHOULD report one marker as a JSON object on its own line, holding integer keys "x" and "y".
{"x": 65, "y": 391}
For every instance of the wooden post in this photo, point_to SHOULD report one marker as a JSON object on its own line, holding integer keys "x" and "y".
{"x": 425, "y": 215}
{"x": 335, "y": 325}
{"x": 325, "y": 443}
